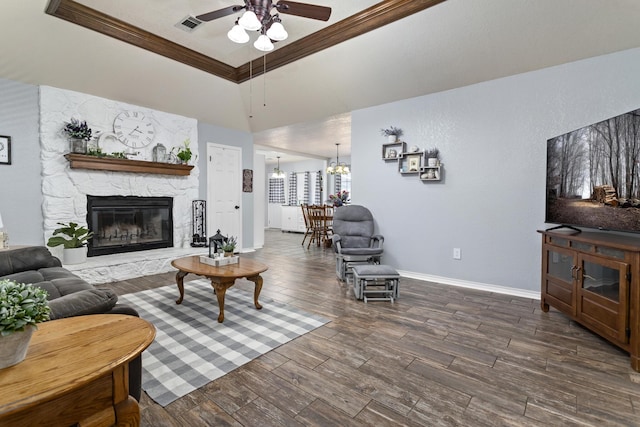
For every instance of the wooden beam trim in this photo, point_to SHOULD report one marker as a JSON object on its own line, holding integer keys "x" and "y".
{"x": 376, "y": 16}
{"x": 360, "y": 23}
{"x": 95, "y": 20}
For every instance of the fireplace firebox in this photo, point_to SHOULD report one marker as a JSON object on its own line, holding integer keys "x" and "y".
{"x": 129, "y": 223}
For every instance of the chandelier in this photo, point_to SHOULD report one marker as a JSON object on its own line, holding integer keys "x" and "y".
{"x": 270, "y": 27}
{"x": 337, "y": 168}
{"x": 277, "y": 173}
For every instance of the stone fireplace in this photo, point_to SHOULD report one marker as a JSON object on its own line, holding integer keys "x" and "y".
{"x": 129, "y": 223}
{"x": 66, "y": 191}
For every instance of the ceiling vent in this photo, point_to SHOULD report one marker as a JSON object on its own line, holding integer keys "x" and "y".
{"x": 189, "y": 23}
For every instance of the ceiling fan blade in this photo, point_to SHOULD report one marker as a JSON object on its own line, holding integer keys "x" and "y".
{"x": 321, "y": 13}
{"x": 210, "y": 16}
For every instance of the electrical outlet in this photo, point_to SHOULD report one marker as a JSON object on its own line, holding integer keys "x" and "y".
{"x": 456, "y": 253}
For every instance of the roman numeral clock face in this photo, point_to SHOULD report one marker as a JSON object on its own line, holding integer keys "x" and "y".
{"x": 133, "y": 129}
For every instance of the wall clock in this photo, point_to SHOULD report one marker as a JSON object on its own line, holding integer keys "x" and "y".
{"x": 133, "y": 129}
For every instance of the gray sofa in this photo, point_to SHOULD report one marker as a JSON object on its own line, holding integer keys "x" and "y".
{"x": 68, "y": 295}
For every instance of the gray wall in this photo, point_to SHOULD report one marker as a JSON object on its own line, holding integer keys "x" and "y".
{"x": 492, "y": 138}
{"x": 20, "y": 182}
{"x": 219, "y": 135}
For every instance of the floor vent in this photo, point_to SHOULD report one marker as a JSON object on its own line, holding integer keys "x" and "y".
{"x": 189, "y": 23}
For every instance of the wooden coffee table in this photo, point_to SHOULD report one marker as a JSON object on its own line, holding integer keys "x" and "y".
{"x": 222, "y": 278}
{"x": 76, "y": 373}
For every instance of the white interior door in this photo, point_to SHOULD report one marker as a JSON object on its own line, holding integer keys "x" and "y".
{"x": 224, "y": 190}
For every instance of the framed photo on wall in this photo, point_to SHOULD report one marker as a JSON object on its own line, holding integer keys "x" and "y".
{"x": 5, "y": 150}
{"x": 247, "y": 180}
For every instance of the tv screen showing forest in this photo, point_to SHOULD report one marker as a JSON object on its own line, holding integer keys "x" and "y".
{"x": 593, "y": 175}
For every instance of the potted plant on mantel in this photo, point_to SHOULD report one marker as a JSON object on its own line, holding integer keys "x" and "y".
{"x": 74, "y": 238}
{"x": 79, "y": 134}
{"x": 392, "y": 133}
{"x": 184, "y": 152}
{"x": 21, "y": 308}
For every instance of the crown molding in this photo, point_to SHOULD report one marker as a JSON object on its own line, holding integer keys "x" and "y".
{"x": 360, "y": 23}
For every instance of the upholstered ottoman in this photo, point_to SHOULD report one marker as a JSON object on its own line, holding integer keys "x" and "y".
{"x": 379, "y": 280}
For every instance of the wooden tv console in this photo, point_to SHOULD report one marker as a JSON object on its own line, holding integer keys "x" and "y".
{"x": 595, "y": 279}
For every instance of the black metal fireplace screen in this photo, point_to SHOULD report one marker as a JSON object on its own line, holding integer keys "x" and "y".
{"x": 129, "y": 223}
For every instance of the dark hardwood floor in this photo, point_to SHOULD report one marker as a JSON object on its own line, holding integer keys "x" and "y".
{"x": 439, "y": 355}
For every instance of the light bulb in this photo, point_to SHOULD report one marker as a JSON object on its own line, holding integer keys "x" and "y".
{"x": 249, "y": 21}
{"x": 277, "y": 32}
{"x": 238, "y": 35}
{"x": 263, "y": 43}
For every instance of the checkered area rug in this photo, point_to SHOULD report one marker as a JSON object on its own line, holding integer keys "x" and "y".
{"x": 191, "y": 348}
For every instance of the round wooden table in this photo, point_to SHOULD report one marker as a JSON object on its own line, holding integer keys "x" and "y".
{"x": 76, "y": 373}
{"x": 222, "y": 278}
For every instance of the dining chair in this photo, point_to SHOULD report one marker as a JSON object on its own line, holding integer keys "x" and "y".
{"x": 317, "y": 218}
{"x": 307, "y": 223}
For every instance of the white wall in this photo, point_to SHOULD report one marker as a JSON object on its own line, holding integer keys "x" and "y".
{"x": 20, "y": 186}
{"x": 492, "y": 139}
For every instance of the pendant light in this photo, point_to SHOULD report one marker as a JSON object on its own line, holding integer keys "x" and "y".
{"x": 337, "y": 168}
{"x": 277, "y": 173}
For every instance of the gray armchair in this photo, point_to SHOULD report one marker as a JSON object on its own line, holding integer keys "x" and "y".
{"x": 353, "y": 239}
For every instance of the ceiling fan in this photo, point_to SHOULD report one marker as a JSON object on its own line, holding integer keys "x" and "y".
{"x": 258, "y": 17}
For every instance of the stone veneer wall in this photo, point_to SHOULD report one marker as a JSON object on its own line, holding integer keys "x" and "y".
{"x": 64, "y": 189}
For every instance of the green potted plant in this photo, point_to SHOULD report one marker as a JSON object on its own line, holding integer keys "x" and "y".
{"x": 392, "y": 133}
{"x": 229, "y": 245}
{"x": 21, "y": 308}
{"x": 74, "y": 238}
{"x": 184, "y": 152}
{"x": 79, "y": 134}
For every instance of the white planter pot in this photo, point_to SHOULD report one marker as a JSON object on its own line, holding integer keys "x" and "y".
{"x": 432, "y": 162}
{"x": 392, "y": 138}
{"x": 13, "y": 347}
{"x": 74, "y": 255}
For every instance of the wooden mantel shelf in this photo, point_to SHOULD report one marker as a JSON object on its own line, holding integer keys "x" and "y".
{"x": 82, "y": 161}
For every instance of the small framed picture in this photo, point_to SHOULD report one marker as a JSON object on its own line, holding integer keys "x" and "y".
{"x": 414, "y": 164}
{"x": 247, "y": 180}
{"x": 5, "y": 150}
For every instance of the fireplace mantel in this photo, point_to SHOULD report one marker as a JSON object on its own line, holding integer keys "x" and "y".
{"x": 83, "y": 161}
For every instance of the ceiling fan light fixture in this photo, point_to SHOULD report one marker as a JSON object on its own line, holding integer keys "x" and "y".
{"x": 249, "y": 21}
{"x": 277, "y": 32}
{"x": 238, "y": 34}
{"x": 263, "y": 43}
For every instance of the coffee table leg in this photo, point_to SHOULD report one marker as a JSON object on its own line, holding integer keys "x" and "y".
{"x": 180, "y": 282}
{"x": 256, "y": 293}
{"x": 220, "y": 289}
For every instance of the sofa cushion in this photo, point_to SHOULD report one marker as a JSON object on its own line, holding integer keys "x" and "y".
{"x": 24, "y": 259}
{"x": 87, "y": 301}
{"x": 31, "y": 276}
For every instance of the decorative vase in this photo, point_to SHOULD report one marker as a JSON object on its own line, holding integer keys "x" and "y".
{"x": 13, "y": 347}
{"x": 74, "y": 255}
{"x": 78, "y": 145}
{"x": 159, "y": 153}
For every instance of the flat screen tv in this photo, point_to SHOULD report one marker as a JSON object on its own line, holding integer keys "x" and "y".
{"x": 593, "y": 175}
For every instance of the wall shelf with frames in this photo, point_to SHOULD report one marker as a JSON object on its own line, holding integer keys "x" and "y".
{"x": 430, "y": 173}
{"x": 410, "y": 163}
{"x": 393, "y": 150}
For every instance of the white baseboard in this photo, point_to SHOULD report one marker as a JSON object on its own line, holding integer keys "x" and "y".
{"x": 471, "y": 285}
